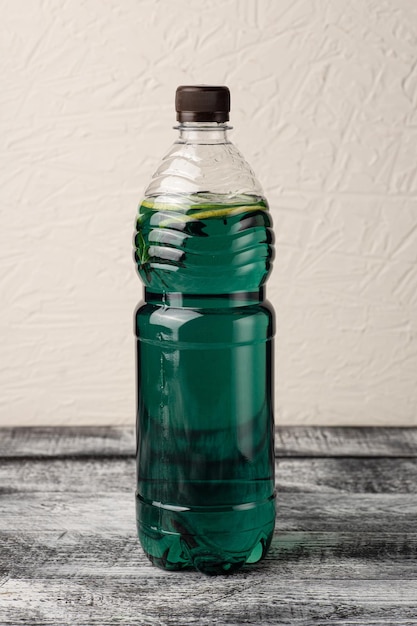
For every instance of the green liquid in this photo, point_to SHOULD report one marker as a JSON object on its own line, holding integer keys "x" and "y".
{"x": 205, "y": 470}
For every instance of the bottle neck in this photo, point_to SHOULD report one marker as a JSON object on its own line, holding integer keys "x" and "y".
{"x": 204, "y": 301}
{"x": 203, "y": 133}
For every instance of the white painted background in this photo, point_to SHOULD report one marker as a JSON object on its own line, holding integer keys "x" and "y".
{"x": 324, "y": 97}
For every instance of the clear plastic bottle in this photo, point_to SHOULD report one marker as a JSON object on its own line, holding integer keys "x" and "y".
{"x": 205, "y": 494}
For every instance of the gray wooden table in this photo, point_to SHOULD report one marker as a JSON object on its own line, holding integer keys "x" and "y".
{"x": 344, "y": 551}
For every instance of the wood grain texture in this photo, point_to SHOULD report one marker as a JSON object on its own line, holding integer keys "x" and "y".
{"x": 315, "y": 475}
{"x": 346, "y": 441}
{"x": 289, "y": 441}
{"x": 344, "y": 551}
{"x": 53, "y": 442}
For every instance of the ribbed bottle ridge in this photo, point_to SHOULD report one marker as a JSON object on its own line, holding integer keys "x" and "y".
{"x": 204, "y": 243}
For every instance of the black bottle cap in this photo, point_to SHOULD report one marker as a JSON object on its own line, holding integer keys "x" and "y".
{"x": 202, "y": 103}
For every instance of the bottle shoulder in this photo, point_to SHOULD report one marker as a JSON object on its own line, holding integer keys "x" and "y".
{"x": 219, "y": 168}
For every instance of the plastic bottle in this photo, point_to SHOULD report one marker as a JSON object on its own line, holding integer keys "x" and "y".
{"x": 205, "y": 433}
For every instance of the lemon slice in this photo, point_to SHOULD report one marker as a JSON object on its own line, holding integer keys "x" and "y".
{"x": 202, "y": 215}
{"x": 203, "y": 211}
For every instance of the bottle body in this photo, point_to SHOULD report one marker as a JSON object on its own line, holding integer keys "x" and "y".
{"x": 205, "y": 491}
{"x": 205, "y": 494}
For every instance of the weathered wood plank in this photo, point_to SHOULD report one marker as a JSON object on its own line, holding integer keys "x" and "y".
{"x": 346, "y": 441}
{"x": 325, "y": 475}
{"x": 114, "y": 512}
{"x": 347, "y": 475}
{"x": 296, "y": 555}
{"x": 253, "y": 599}
{"x": 73, "y": 441}
{"x": 337, "y": 512}
{"x": 290, "y": 441}
{"x": 313, "y": 494}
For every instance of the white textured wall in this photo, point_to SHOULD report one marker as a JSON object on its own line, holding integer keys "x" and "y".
{"x": 324, "y": 97}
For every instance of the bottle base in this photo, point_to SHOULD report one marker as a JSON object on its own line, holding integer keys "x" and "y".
{"x": 212, "y": 555}
{"x": 178, "y": 554}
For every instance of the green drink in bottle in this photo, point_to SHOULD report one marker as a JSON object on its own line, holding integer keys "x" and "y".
{"x": 205, "y": 494}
